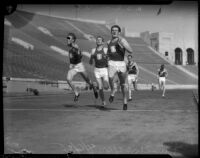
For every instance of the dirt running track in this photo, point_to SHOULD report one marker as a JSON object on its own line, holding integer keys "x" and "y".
{"x": 53, "y": 123}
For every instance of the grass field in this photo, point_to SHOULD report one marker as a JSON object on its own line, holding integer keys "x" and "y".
{"x": 53, "y": 123}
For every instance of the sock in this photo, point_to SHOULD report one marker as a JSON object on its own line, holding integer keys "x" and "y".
{"x": 76, "y": 93}
{"x": 129, "y": 92}
{"x": 101, "y": 94}
{"x": 125, "y": 101}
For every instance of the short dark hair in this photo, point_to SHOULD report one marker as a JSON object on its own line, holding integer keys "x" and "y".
{"x": 117, "y": 26}
{"x": 100, "y": 37}
{"x": 72, "y": 35}
{"x": 162, "y": 66}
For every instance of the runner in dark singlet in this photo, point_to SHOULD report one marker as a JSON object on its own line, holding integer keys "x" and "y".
{"x": 133, "y": 71}
{"x": 162, "y": 74}
{"x": 99, "y": 56}
{"x": 117, "y": 47}
{"x": 76, "y": 66}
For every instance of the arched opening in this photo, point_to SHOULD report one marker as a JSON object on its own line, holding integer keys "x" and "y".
{"x": 178, "y": 56}
{"x": 190, "y": 56}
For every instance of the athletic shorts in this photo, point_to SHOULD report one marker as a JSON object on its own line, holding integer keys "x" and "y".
{"x": 101, "y": 72}
{"x": 116, "y": 66}
{"x": 131, "y": 78}
{"x": 161, "y": 80}
{"x": 74, "y": 69}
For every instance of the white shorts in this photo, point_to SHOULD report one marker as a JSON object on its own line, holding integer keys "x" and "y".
{"x": 116, "y": 66}
{"x": 131, "y": 78}
{"x": 101, "y": 72}
{"x": 161, "y": 80}
{"x": 74, "y": 69}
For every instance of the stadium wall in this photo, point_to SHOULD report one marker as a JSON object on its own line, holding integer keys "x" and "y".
{"x": 166, "y": 44}
{"x": 20, "y": 85}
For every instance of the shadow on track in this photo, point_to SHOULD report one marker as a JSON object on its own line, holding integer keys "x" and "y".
{"x": 100, "y": 107}
{"x": 74, "y": 106}
{"x": 187, "y": 150}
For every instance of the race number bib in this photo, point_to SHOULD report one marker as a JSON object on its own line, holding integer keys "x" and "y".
{"x": 99, "y": 56}
{"x": 71, "y": 55}
{"x": 113, "y": 49}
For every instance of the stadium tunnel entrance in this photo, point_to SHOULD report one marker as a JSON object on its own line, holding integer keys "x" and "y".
{"x": 190, "y": 56}
{"x": 178, "y": 56}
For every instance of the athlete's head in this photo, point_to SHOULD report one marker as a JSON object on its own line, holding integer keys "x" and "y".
{"x": 99, "y": 40}
{"x": 115, "y": 30}
{"x": 71, "y": 38}
{"x": 162, "y": 66}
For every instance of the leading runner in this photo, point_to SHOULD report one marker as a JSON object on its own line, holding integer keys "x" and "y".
{"x": 117, "y": 47}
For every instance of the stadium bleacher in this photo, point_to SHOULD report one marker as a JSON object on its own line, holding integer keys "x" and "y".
{"x": 97, "y": 29}
{"x": 192, "y": 68}
{"x": 43, "y": 62}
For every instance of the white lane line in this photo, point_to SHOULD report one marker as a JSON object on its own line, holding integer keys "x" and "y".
{"x": 77, "y": 110}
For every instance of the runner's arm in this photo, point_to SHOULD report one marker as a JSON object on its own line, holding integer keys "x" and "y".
{"x": 166, "y": 73}
{"x": 123, "y": 42}
{"x": 91, "y": 57}
{"x": 137, "y": 68}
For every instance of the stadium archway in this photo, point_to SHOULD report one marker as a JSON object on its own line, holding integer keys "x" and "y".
{"x": 190, "y": 56}
{"x": 178, "y": 56}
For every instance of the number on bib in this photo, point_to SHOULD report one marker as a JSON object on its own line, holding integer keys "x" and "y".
{"x": 99, "y": 56}
{"x": 113, "y": 49}
{"x": 71, "y": 55}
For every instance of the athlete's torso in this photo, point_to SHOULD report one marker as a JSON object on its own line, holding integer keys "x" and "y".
{"x": 162, "y": 73}
{"x": 115, "y": 52}
{"x": 131, "y": 68}
{"x": 100, "y": 58}
{"x": 75, "y": 56}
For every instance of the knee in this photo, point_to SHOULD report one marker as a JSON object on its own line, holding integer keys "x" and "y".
{"x": 123, "y": 85}
{"x": 106, "y": 87}
{"x": 100, "y": 87}
{"x": 69, "y": 80}
{"x": 110, "y": 79}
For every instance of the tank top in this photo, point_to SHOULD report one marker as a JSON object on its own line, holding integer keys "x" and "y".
{"x": 131, "y": 68}
{"x": 115, "y": 52}
{"x": 75, "y": 56}
{"x": 162, "y": 73}
{"x": 100, "y": 58}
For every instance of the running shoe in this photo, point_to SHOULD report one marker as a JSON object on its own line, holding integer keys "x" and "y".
{"x": 125, "y": 107}
{"x": 111, "y": 98}
{"x": 130, "y": 99}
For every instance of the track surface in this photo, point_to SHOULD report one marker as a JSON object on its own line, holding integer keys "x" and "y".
{"x": 53, "y": 123}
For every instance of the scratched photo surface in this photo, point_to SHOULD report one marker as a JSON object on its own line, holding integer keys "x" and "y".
{"x": 39, "y": 112}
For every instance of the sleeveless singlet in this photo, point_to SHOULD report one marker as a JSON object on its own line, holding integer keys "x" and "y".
{"x": 115, "y": 52}
{"x": 75, "y": 56}
{"x": 162, "y": 73}
{"x": 131, "y": 68}
{"x": 100, "y": 58}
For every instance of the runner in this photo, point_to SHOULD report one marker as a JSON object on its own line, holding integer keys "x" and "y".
{"x": 162, "y": 74}
{"x": 117, "y": 47}
{"x": 76, "y": 66}
{"x": 133, "y": 72}
{"x": 99, "y": 55}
